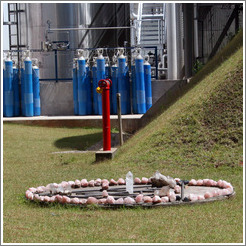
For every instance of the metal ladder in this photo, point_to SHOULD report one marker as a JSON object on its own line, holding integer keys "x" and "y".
{"x": 13, "y": 23}
{"x": 151, "y": 24}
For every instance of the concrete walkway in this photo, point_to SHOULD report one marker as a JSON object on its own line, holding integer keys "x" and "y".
{"x": 130, "y": 122}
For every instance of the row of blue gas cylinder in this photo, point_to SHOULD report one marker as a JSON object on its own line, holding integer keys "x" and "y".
{"x": 85, "y": 81}
{"x": 24, "y": 99}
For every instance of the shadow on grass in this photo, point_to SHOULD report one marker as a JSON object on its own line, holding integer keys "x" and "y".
{"x": 78, "y": 142}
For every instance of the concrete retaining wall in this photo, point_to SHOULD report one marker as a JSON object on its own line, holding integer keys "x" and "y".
{"x": 57, "y": 97}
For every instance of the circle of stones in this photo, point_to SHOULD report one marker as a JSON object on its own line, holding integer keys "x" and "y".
{"x": 64, "y": 192}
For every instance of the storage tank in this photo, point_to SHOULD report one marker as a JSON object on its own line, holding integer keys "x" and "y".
{"x": 38, "y": 17}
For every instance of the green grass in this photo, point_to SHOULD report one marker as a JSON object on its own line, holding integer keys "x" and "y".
{"x": 198, "y": 136}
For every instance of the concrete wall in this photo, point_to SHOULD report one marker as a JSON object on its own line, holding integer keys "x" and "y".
{"x": 57, "y": 98}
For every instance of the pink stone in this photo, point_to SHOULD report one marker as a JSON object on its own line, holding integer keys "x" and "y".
{"x": 214, "y": 183}
{"x": 105, "y": 185}
{"x": 55, "y": 185}
{"x": 137, "y": 181}
{"x": 98, "y": 182}
{"x": 40, "y": 189}
{"x": 208, "y": 195}
{"x": 139, "y": 198}
{"x": 199, "y": 182}
{"x": 82, "y": 201}
{"x": 59, "y": 198}
{"x": 32, "y": 189}
{"x": 205, "y": 181}
{"x": 219, "y": 183}
{"x": 228, "y": 185}
{"x": 177, "y": 189}
{"x": 112, "y": 182}
{"x": 147, "y": 199}
{"x": 84, "y": 183}
{"x": 121, "y": 181}
{"x": 75, "y": 200}
{"x": 156, "y": 199}
{"x": 92, "y": 200}
{"x": 65, "y": 199}
{"x": 215, "y": 193}
{"x": 225, "y": 192}
{"x": 230, "y": 190}
{"x": 149, "y": 181}
{"x": 129, "y": 200}
{"x": 91, "y": 183}
{"x": 110, "y": 200}
{"x": 209, "y": 182}
{"x": 200, "y": 197}
{"x": 172, "y": 197}
{"x": 27, "y": 193}
{"x": 30, "y": 196}
{"x": 47, "y": 199}
{"x": 192, "y": 182}
{"x": 71, "y": 183}
{"x": 104, "y": 193}
{"x": 177, "y": 179}
{"x": 41, "y": 198}
{"x": 102, "y": 201}
{"x": 165, "y": 199}
{"x": 77, "y": 183}
{"x": 119, "y": 201}
{"x": 64, "y": 184}
{"x": 53, "y": 199}
{"x": 144, "y": 180}
{"x": 192, "y": 197}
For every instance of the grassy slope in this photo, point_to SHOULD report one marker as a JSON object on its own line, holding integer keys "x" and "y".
{"x": 199, "y": 136}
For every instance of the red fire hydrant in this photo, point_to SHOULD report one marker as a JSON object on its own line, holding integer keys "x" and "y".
{"x": 104, "y": 87}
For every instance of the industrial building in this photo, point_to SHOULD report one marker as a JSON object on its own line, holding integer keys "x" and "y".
{"x": 173, "y": 39}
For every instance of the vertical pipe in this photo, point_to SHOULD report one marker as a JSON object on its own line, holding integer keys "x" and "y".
{"x": 106, "y": 117}
{"x": 94, "y": 86}
{"x": 156, "y": 64}
{"x": 75, "y": 89}
{"x": 16, "y": 91}
{"x": 36, "y": 91}
{"x": 119, "y": 119}
{"x": 100, "y": 75}
{"x": 56, "y": 68}
{"x": 114, "y": 88}
{"x": 140, "y": 87}
{"x": 28, "y": 92}
{"x": 196, "y": 51}
{"x": 147, "y": 81}
{"x": 9, "y": 90}
{"x": 82, "y": 91}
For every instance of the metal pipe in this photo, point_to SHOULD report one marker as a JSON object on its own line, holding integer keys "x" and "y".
{"x": 89, "y": 28}
{"x": 196, "y": 51}
{"x": 119, "y": 119}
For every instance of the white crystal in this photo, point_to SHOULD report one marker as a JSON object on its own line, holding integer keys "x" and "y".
{"x": 129, "y": 182}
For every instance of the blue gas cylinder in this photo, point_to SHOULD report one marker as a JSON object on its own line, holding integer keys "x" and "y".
{"x": 147, "y": 81}
{"x": 8, "y": 88}
{"x": 36, "y": 92}
{"x": 140, "y": 86}
{"x": 100, "y": 75}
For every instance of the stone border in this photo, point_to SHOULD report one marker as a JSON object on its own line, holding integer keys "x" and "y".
{"x": 59, "y": 193}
